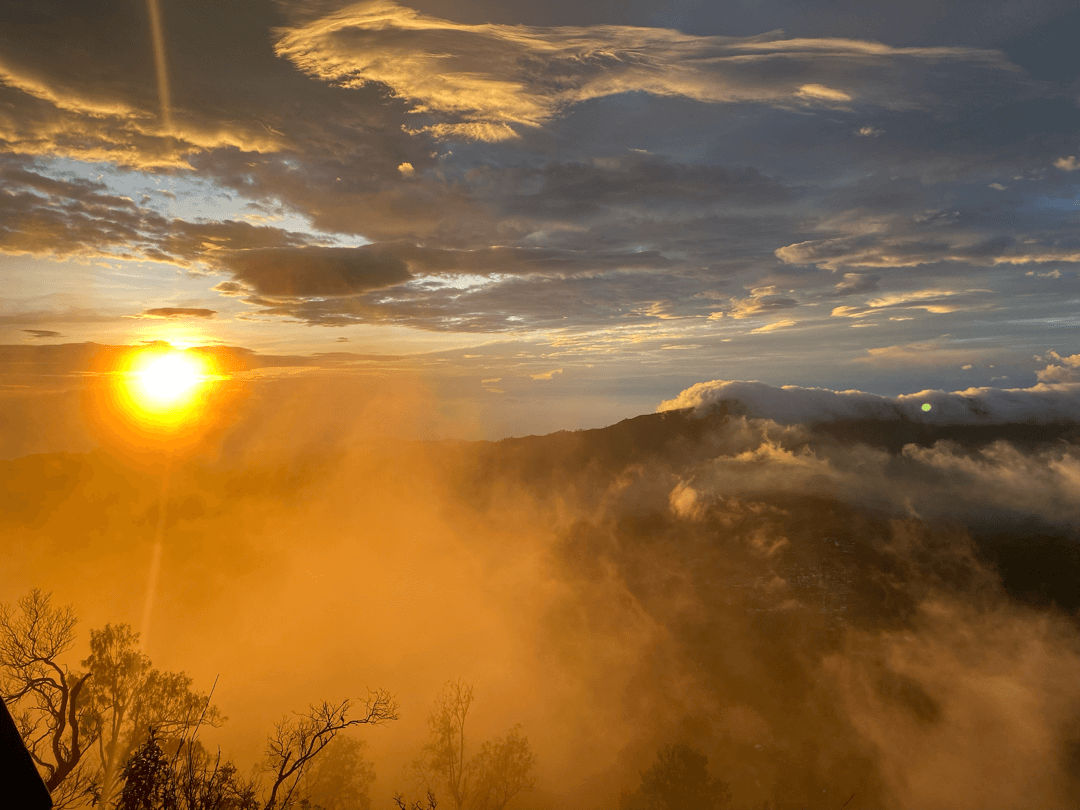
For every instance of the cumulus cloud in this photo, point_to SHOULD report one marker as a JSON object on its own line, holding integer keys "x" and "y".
{"x": 1060, "y": 368}
{"x": 490, "y": 79}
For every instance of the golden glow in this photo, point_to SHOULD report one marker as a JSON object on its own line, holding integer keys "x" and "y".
{"x": 167, "y": 380}
{"x": 162, "y": 387}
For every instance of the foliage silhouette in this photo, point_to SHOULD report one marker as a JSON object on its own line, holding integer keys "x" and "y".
{"x": 679, "y": 779}
{"x": 49, "y": 702}
{"x": 501, "y": 769}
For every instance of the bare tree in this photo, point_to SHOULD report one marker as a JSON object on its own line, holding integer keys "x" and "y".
{"x": 445, "y": 753}
{"x": 296, "y": 741}
{"x": 489, "y": 779}
{"x": 429, "y": 803}
{"x": 49, "y": 702}
{"x": 192, "y": 780}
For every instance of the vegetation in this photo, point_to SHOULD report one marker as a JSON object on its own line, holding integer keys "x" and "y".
{"x": 119, "y": 733}
{"x": 679, "y": 779}
{"x": 489, "y": 779}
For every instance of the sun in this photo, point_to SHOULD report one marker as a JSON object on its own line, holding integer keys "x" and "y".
{"x": 163, "y": 386}
{"x": 167, "y": 380}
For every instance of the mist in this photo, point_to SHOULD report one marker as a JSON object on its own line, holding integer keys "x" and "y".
{"x": 875, "y": 611}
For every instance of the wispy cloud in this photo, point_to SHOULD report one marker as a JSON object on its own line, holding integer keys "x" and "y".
{"x": 486, "y": 81}
{"x": 772, "y": 327}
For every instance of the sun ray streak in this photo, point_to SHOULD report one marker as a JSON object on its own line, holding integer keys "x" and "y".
{"x": 161, "y": 67}
{"x": 157, "y": 551}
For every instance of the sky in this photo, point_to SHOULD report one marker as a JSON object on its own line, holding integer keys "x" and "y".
{"x": 823, "y": 258}
{"x": 549, "y": 215}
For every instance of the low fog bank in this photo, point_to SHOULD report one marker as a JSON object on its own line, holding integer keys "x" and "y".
{"x": 873, "y": 610}
{"x": 791, "y": 404}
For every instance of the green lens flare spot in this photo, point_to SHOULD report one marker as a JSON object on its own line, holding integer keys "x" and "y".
{"x": 927, "y": 407}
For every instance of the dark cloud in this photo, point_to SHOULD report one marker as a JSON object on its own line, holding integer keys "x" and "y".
{"x": 315, "y": 272}
{"x": 50, "y": 216}
{"x": 60, "y": 217}
{"x": 42, "y": 333}
{"x": 486, "y": 81}
{"x": 925, "y": 21}
{"x": 666, "y": 163}
{"x": 178, "y": 312}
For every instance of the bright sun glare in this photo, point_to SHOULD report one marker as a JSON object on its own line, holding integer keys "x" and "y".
{"x": 166, "y": 381}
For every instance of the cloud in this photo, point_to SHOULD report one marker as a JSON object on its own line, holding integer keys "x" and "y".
{"x": 686, "y": 502}
{"x": 822, "y": 93}
{"x": 927, "y": 353}
{"x": 936, "y": 302}
{"x": 485, "y": 289}
{"x": 44, "y": 215}
{"x": 853, "y": 283}
{"x": 324, "y": 137}
{"x": 628, "y": 181}
{"x": 487, "y": 81}
{"x": 772, "y": 327}
{"x": 920, "y": 239}
{"x": 1059, "y": 368}
{"x": 315, "y": 272}
{"x": 1069, "y": 163}
{"x": 761, "y": 300}
{"x": 546, "y": 375}
{"x": 78, "y": 88}
{"x": 42, "y": 333}
{"x": 59, "y": 115}
{"x": 791, "y": 404}
{"x": 178, "y": 313}
{"x": 229, "y": 288}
